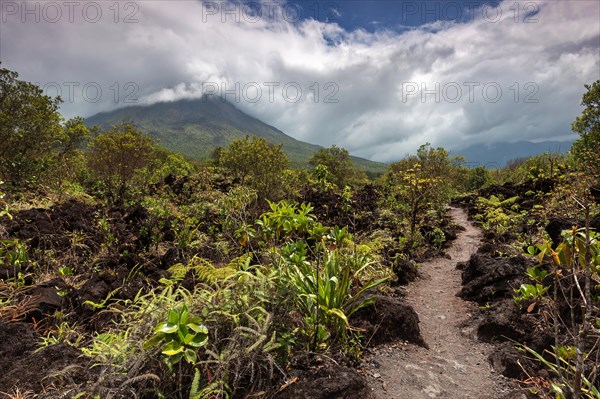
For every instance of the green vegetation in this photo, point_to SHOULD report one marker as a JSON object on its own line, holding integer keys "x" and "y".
{"x": 587, "y": 125}
{"x": 339, "y": 164}
{"x": 499, "y": 215}
{"x": 35, "y": 146}
{"x": 422, "y": 183}
{"x": 180, "y": 336}
{"x": 117, "y": 155}
{"x": 575, "y": 269}
{"x": 195, "y": 128}
{"x": 170, "y": 278}
{"x": 256, "y": 164}
{"x": 549, "y": 204}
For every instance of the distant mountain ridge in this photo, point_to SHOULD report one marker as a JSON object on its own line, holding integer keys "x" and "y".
{"x": 496, "y": 155}
{"x": 196, "y": 127}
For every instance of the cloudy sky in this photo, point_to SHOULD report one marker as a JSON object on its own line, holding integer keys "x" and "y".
{"x": 376, "y": 77}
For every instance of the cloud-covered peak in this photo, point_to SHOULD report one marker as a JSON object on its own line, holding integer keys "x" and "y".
{"x": 506, "y": 73}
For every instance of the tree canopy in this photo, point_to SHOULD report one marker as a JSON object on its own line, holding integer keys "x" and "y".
{"x": 422, "y": 182}
{"x": 586, "y": 149}
{"x": 339, "y": 165}
{"x": 256, "y": 163}
{"x": 30, "y": 128}
{"x": 117, "y": 155}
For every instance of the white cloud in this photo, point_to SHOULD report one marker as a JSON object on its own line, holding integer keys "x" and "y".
{"x": 178, "y": 49}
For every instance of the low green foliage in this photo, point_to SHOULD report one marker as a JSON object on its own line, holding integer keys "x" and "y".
{"x": 208, "y": 274}
{"x": 187, "y": 235}
{"x": 575, "y": 266}
{"x": 532, "y": 292}
{"x": 285, "y": 221}
{"x": 63, "y": 333}
{"x": 180, "y": 336}
{"x": 438, "y": 238}
{"x": 13, "y": 258}
{"x": 237, "y": 211}
{"x": 326, "y": 290}
{"x": 203, "y": 271}
{"x": 4, "y": 208}
{"x": 563, "y": 366}
{"x": 104, "y": 302}
{"x": 535, "y": 273}
{"x": 112, "y": 348}
{"x": 499, "y": 215}
{"x": 177, "y": 272}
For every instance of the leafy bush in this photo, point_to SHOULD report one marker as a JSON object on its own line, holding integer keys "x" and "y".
{"x": 326, "y": 290}
{"x": 117, "y": 156}
{"x": 587, "y": 125}
{"x": 258, "y": 164}
{"x": 575, "y": 269}
{"x": 335, "y": 165}
{"x": 285, "y": 221}
{"x": 181, "y": 335}
{"x": 499, "y": 215}
{"x": 13, "y": 257}
{"x": 30, "y": 130}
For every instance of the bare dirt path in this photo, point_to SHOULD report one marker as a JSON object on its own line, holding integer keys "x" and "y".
{"x": 455, "y": 366}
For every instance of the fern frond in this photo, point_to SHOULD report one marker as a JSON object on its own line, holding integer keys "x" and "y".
{"x": 241, "y": 262}
{"x": 194, "y": 389}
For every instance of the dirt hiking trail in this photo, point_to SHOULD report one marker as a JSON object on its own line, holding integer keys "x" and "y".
{"x": 455, "y": 366}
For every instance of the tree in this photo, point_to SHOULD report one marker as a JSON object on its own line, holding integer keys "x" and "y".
{"x": 30, "y": 129}
{"x": 417, "y": 190}
{"x": 167, "y": 163}
{"x": 436, "y": 164}
{"x": 117, "y": 156}
{"x": 72, "y": 137}
{"x": 339, "y": 165}
{"x": 422, "y": 182}
{"x": 69, "y": 158}
{"x": 258, "y": 164}
{"x": 477, "y": 178}
{"x": 216, "y": 155}
{"x": 587, "y": 125}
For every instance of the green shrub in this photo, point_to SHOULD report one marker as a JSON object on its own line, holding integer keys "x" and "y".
{"x": 180, "y": 335}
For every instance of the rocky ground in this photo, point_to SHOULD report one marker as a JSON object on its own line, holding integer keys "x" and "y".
{"x": 452, "y": 364}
